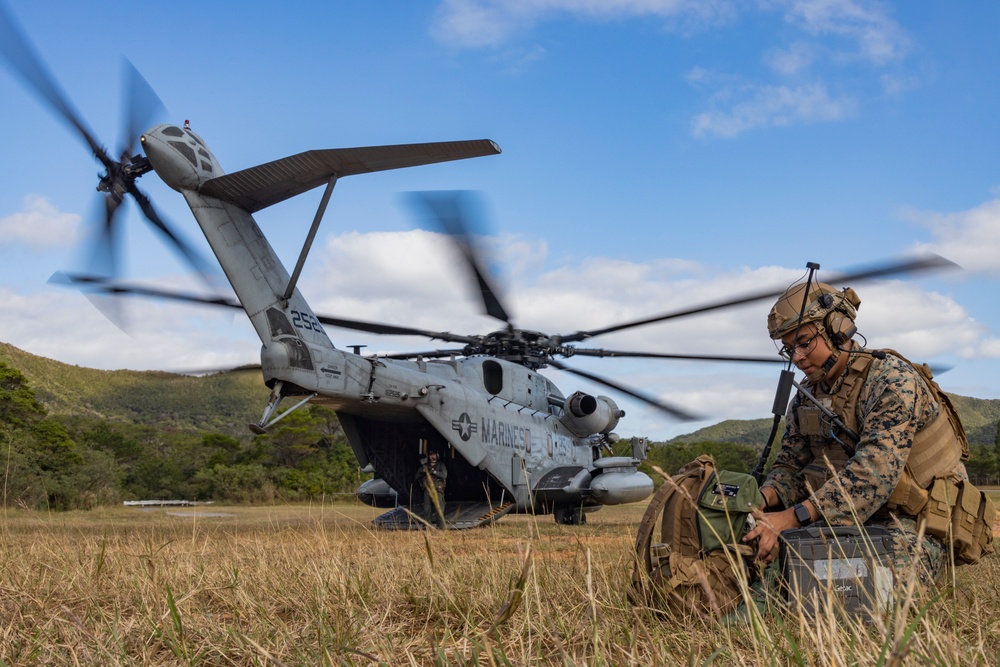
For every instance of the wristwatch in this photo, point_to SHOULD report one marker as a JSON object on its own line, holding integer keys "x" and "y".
{"x": 802, "y": 514}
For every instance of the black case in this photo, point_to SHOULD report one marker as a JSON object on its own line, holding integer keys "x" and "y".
{"x": 845, "y": 567}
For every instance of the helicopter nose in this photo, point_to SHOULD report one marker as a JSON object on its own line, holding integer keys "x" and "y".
{"x": 172, "y": 156}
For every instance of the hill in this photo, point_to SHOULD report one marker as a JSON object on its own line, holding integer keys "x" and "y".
{"x": 79, "y": 438}
{"x": 980, "y": 416}
{"x": 222, "y": 402}
{"x": 226, "y": 402}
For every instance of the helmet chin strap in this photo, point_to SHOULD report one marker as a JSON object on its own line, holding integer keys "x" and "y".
{"x": 820, "y": 373}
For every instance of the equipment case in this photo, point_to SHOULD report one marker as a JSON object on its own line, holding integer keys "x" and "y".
{"x": 845, "y": 567}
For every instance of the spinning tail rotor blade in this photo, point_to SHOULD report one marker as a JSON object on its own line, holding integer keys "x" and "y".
{"x": 141, "y": 107}
{"x": 103, "y": 256}
{"x": 28, "y": 65}
{"x": 675, "y": 412}
{"x": 927, "y": 263}
{"x": 201, "y": 266}
{"x": 450, "y": 212}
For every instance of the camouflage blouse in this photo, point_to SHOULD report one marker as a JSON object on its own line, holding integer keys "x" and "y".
{"x": 894, "y": 404}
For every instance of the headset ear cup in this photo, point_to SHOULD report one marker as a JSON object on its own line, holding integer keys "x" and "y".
{"x": 840, "y": 327}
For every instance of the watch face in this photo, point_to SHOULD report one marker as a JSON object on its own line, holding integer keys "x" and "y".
{"x": 802, "y": 515}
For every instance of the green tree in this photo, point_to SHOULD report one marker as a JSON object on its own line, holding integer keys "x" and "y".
{"x": 43, "y": 466}
{"x": 728, "y": 456}
{"x": 18, "y": 406}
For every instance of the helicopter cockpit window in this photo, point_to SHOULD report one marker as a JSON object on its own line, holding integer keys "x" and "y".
{"x": 492, "y": 377}
{"x": 185, "y": 150}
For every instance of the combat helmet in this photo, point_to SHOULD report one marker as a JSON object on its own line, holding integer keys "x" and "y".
{"x": 832, "y": 311}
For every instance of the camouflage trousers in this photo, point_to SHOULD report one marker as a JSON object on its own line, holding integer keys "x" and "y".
{"x": 926, "y": 559}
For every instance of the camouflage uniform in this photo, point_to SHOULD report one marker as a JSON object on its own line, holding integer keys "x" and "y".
{"x": 894, "y": 404}
{"x": 438, "y": 475}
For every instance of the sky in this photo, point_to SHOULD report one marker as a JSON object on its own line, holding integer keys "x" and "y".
{"x": 657, "y": 154}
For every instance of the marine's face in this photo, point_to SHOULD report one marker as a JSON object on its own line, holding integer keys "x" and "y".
{"x": 433, "y": 457}
{"x": 806, "y": 348}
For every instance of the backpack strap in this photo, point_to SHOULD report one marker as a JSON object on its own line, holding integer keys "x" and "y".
{"x": 700, "y": 468}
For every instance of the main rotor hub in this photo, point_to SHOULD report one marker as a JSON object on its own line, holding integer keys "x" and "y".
{"x": 532, "y": 349}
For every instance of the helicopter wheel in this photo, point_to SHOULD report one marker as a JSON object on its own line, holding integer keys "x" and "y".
{"x": 570, "y": 516}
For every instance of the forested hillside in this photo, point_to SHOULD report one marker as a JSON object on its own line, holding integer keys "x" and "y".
{"x": 743, "y": 440}
{"x": 223, "y": 402}
{"x": 76, "y": 437}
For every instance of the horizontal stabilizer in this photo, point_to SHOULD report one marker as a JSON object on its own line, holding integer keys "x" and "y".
{"x": 258, "y": 187}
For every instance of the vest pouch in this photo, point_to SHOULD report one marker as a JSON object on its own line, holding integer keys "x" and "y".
{"x": 723, "y": 507}
{"x": 937, "y": 513}
{"x": 982, "y": 532}
{"x": 984, "y": 526}
{"x": 963, "y": 521}
{"x": 908, "y": 497}
{"x": 816, "y": 475}
{"x": 811, "y": 421}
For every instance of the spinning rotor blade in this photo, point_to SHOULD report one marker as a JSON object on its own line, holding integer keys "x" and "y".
{"x": 102, "y": 285}
{"x": 591, "y": 352}
{"x": 189, "y": 254}
{"x": 103, "y": 256}
{"x": 141, "y": 107}
{"x": 392, "y": 329}
{"x": 926, "y": 263}
{"x": 27, "y": 64}
{"x": 677, "y": 413}
{"x": 450, "y": 211}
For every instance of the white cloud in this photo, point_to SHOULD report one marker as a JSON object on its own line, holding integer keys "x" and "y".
{"x": 875, "y": 36}
{"x": 841, "y": 33}
{"x": 40, "y": 225}
{"x": 160, "y": 335}
{"x": 792, "y": 60}
{"x": 970, "y": 238}
{"x": 416, "y": 279}
{"x": 771, "y": 106}
{"x": 921, "y": 324}
{"x": 491, "y": 23}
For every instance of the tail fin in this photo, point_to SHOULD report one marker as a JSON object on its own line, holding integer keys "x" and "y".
{"x": 223, "y": 207}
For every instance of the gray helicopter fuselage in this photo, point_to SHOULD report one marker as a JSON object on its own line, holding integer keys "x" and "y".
{"x": 500, "y": 417}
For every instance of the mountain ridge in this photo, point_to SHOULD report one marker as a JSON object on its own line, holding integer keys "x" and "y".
{"x": 226, "y": 401}
{"x": 223, "y": 402}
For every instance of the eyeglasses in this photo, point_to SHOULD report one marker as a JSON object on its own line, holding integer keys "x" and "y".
{"x": 789, "y": 351}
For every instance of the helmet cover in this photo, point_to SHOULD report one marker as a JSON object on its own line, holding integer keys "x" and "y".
{"x": 823, "y": 300}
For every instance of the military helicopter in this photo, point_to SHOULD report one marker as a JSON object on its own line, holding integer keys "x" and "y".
{"x": 511, "y": 440}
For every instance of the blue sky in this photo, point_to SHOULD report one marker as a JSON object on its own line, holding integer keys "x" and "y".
{"x": 656, "y": 154}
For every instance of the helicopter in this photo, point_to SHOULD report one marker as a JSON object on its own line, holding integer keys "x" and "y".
{"x": 510, "y": 439}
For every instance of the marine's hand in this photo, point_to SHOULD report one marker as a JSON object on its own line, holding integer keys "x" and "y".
{"x": 769, "y": 526}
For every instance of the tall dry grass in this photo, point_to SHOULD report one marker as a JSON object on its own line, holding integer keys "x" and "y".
{"x": 314, "y": 585}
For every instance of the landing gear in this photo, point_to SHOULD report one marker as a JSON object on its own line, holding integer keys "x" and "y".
{"x": 570, "y": 516}
{"x": 260, "y": 428}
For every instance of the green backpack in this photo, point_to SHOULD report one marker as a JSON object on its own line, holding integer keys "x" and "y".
{"x": 699, "y": 563}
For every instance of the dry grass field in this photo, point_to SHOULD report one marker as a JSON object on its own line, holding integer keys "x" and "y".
{"x": 315, "y": 585}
